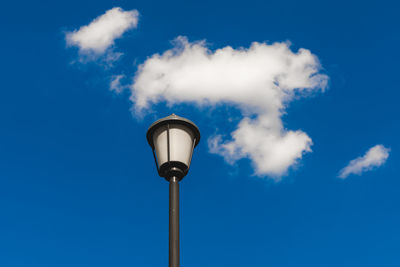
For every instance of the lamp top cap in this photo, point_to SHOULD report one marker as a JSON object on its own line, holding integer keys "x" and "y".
{"x": 172, "y": 119}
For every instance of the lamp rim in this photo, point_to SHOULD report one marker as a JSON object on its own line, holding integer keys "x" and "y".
{"x": 172, "y": 119}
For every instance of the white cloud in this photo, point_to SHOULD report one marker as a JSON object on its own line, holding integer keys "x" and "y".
{"x": 98, "y": 37}
{"x": 272, "y": 150}
{"x": 115, "y": 84}
{"x": 375, "y": 157}
{"x": 260, "y": 80}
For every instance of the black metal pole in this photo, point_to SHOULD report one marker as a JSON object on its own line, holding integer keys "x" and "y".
{"x": 173, "y": 222}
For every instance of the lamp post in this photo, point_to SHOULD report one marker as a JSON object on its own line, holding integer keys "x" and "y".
{"x": 172, "y": 140}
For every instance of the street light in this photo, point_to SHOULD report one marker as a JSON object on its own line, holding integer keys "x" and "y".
{"x": 172, "y": 140}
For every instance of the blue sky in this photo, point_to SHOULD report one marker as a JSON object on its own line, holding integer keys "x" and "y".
{"x": 78, "y": 185}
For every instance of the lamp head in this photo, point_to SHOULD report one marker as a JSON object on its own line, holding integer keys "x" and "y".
{"x": 172, "y": 140}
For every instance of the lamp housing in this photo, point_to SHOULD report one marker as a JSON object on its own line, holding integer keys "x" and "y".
{"x": 173, "y": 140}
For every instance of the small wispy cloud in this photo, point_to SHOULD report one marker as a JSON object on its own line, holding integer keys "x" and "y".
{"x": 375, "y": 157}
{"x": 116, "y": 85}
{"x": 259, "y": 80}
{"x": 97, "y": 38}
